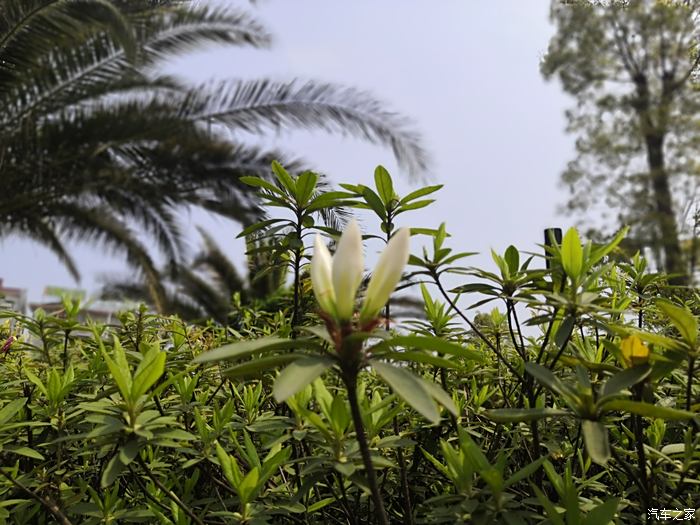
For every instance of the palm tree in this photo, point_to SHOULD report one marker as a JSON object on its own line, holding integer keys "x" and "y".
{"x": 204, "y": 287}
{"x": 96, "y": 145}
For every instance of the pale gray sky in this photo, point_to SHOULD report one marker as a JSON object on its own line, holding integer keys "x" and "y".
{"x": 466, "y": 72}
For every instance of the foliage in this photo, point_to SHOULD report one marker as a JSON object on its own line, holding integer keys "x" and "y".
{"x": 632, "y": 68}
{"x": 98, "y": 145}
{"x": 575, "y": 400}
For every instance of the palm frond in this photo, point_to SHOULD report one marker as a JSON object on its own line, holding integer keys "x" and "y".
{"x": 219, "y": 266}
{"x": 258, "y": 105}
{"x": 29, "y": 29}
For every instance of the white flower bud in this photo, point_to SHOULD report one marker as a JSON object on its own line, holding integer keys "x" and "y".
{"x": 387, "y": 274}
{"x": 321, "y": 277}
{"x": 348, "y": 265}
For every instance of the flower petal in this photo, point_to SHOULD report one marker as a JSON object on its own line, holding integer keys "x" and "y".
{"x": 387, "y": 274}
{"x": 321, "y": 279}
{"x": 348, "y": 265}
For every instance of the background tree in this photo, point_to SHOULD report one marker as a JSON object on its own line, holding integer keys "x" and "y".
{"x": 97, "y": 145}
{"x": 631, "y": 65}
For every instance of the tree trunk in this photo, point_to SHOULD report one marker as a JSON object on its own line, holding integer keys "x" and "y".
{"x": 663, "y": 203}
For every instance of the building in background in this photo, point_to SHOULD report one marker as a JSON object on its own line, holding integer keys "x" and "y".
{"x": 96, "y": 310}
{"x": 13, "y": 299}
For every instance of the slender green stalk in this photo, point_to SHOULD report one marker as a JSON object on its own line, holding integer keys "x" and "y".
{"x": 50, "y": 505}
{"x": 689, "y": 384}
{"x": 168, "y": 492}
{"x": 350, "y": 380}
{"x": 473, "y": 327}
{"x": 641, "y": 454}
{"x": 406, "y": 492}
{"x": 296, "y": 309}
{"x": 66, "y": 335}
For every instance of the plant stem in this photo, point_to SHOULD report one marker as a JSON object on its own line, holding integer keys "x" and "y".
{"x": 66, "y": 334}
{"x": 350, "y": 380}
{"x": 168, "y": 492}
{"x": 297, "y": 276}
{"x": 641, "y": 454}
{"x": 478, "y": 332}
{"x": 689, "y": 385}
{"x": 407, "y": 510}
{"x": 50, "y": 505}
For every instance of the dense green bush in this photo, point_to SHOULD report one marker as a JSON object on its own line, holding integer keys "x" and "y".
{"x": 574, "y": 403}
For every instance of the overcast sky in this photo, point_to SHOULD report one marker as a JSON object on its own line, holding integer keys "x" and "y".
{"x": 465, "y": 71}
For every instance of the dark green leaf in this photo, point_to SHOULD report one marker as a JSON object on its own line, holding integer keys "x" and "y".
{"x": 421, "y": 192}
{"x": 374, "y": 202}
{"x": 595, "y": 437}
{"x": 299, "y": 374}
{"x": 625, "y": 379}
{"x": 306, "y": 184}
{"x": 603, "y": 514}
{"x": 410, "y": 388}
{"x": 257, "y": 366}
{"x": 516, "y": 415}
{"x": 384, "y": 184}
{"x": 647, "y": 409}
{"x": 682, "y": 319}
{"x": 241, "y": 349}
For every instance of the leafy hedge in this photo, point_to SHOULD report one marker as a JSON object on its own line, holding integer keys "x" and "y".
{"x": 575, "y": 403}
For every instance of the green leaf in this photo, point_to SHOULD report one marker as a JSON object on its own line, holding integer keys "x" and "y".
{"x": 229, "y": 466}
{"x": 129, "y": 451}
{"x": 564, "y": 331}
{"x": 148, "y": 372}
{"x": 384, "y": 185}
{"x": 306, "y": 184}
{"x": 517, "y": 415}
{"x": 374, "y": 202}
{"x": 440, "y": 396}
{"x": 39, "y": 384}
{"x": 320, "y": 504}
{"x": 647, "y": 409}
{"x": 572, "y": 254}
{"x": 421, "y": 357}
{"x": 512, "y": 257}
{"x": 439, "y": 466}
{"x": 595, "y": 437}
{"x": 524, "y": 472}
{"x": 299, "y": 374}
{"x": 255, "y": 367}
{"x": 248, "y": 487}
{"x": 603, "y": 514}
{"x": 415, "y": 205}
{"x": 10, "y": 410}
{"x": 421, "y": 192}
{"x": 548, "y": 379}
{"x": 410, "y": 388}
{"x": 328, "y": 199}
{"x": 625, "y": 379}
{"x": 436, "y": 344}
{"x": 258, "y": 226}
{"x": 600, "y": 252}
{"x": 285, "y": 178}
{"x": 550, "y": 509}
{"x": 111, "y": 471}
{"x": 243, "y": 349}
{"x": 25, "y": 451}
{"x": 261, "y": 183}
{"x": 119, "y": 368}
{"x": 682, "y": 319}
